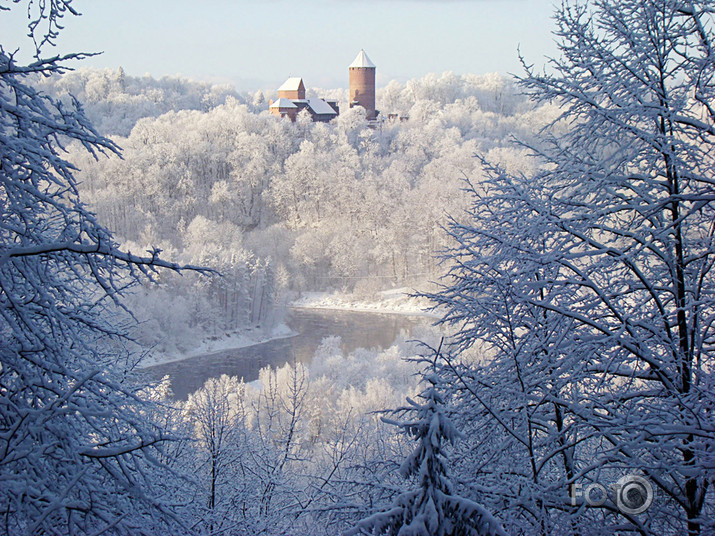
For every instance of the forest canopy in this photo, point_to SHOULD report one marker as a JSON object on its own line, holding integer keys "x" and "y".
{"x": 560, "y": 223}
{"x": 281, "y": 208}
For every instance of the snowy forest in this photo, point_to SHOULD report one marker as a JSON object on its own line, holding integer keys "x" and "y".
{"x": 560, "y": 225}
{"x": 281, "y": 208}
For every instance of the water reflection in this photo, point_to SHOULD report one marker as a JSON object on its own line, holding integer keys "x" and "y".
{"x": 357, "y": 330}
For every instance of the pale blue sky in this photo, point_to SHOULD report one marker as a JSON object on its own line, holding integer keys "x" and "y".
{"x": 258, "y": 44}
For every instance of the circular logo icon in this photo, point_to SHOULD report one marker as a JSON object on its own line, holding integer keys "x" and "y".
{"x": 634, "y": 494}
{"x": 595, "y": 494}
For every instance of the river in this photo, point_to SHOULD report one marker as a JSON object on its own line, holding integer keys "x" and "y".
{"x": 356, "y": 330}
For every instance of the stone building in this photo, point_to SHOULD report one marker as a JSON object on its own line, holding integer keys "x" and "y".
{"x": 291, "y": 101}
{"x": 292, "y": 89}
{"x": 291, "y": 95}
{"x": 283, "y": 108}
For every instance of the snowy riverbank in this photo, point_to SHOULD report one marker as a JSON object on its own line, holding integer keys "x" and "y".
{"x": 243, "y": 339}
{"x": 395, "y": 301}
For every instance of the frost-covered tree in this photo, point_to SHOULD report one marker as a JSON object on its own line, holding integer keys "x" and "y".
{"x": 78, "y": 451}
{"x": 511, "y": 405}
{"x": 331, "y": 204}
{"x": 608, "y": 251}
{"x": 218, "y": 429}
{"x": 114, "y": 102}
{"x": 432, "y": 508}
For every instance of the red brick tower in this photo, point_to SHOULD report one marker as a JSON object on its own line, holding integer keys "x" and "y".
{"x": 362, "y": 84}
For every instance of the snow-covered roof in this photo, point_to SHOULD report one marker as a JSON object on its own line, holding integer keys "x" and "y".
{"x": 283, "y": 103}
{"x": 320, "y": 107}
{"x": 362, "y": 61}
{"x": 292, "y": 84}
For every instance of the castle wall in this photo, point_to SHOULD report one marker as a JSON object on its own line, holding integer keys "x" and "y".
{"x": 292, "y": 94}
{"x": 291, "y": 113}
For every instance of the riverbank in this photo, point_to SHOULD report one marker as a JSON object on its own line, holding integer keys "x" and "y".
{"x": 234, "y": 341}
{"x": 395, "y": 301}
{"x": 336, "y": 332}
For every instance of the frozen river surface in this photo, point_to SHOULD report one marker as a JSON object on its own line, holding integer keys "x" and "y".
{"x": 357, "y": 330}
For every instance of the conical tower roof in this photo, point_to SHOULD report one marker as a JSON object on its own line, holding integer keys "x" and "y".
{"x": 362, "y": 61}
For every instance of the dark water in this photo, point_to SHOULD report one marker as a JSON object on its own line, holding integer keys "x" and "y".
{"x": 357, "y": 330}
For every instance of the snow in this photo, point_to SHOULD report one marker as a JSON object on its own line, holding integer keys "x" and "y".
{"x": 361, "y": 61}
{"x": 394, "y": 301}
{"x": 321, "y": 107}
{"x": 292, "y": 84}
{"x": 233, "y": 341}
{"x": 283, "y": 103}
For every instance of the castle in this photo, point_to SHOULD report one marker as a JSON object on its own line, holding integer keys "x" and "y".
{"x": 291, "y": 95}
